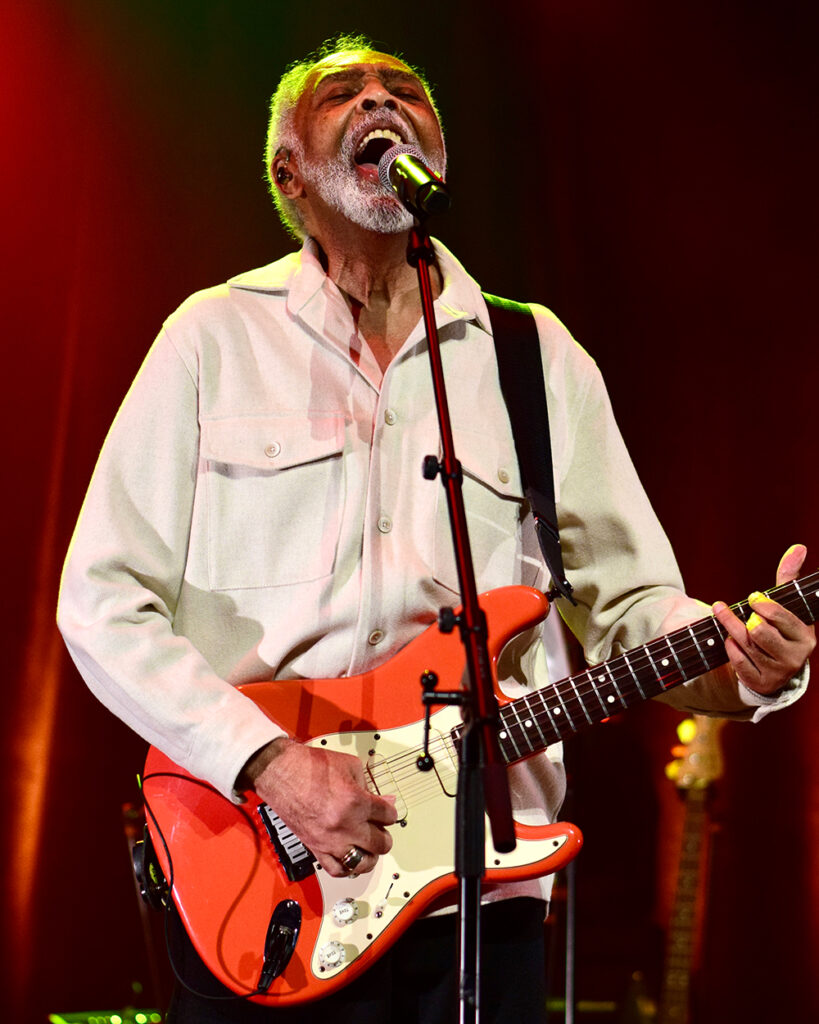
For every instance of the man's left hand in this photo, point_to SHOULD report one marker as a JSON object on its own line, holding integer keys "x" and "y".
{"x": 773, "y": 646}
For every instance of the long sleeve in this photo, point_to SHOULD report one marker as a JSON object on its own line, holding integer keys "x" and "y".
{"x": 122, "y": 580}
{"x": 617, "y": 556}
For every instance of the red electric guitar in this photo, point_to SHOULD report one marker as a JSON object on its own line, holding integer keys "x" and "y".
{"x": 274, "y": 927}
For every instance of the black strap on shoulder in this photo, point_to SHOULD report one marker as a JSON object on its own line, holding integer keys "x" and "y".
{"x": 520, "y": 369}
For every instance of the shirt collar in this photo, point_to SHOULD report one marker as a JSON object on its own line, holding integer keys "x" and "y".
{"x": 302, "y": 277}
{"x": 461, "y": 297}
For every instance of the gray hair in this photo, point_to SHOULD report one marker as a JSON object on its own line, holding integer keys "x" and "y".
{"x": 281, "y": 129}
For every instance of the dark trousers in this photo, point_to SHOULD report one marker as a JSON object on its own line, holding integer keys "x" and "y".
{"x": 415, "y": 982}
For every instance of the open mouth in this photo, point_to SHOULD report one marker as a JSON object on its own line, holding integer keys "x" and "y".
{"x": 374, "y": 145}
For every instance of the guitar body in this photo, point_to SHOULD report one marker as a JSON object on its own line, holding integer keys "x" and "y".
{"x": 232, "y": 867}
{"x": 228, "y": 875}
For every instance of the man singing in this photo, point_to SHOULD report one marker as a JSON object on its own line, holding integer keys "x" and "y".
{"x": 258, "y": 513}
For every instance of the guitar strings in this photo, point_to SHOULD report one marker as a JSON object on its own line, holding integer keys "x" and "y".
{"x": 620, "y": 673}
{"x": 687, "y": 646}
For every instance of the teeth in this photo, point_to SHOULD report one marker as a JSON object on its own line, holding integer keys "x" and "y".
{"x": 380, "y": 133}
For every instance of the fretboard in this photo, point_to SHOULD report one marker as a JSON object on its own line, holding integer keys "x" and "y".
{"x": 529, "y": 724}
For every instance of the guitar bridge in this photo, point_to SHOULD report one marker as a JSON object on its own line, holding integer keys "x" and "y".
{"x": 297, "y": 861}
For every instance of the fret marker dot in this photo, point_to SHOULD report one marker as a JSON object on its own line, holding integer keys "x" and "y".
{"x": 816, "y": 594}
{"x": 557, "y": 711}
{"x": 711, "y": 642}
{"x": 664, "y": 662}
{"x": 503, "y": 735}
{"x": 601, "y": 679}
{"x": 610, "y": 698}
{"x": 528, "y": 723}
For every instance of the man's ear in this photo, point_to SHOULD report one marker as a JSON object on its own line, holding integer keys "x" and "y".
{"x": 285, "y": 173}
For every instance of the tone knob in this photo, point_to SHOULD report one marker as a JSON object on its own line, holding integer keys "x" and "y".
{"x": 332, "y": 954}
{"x": 345, "y": 911}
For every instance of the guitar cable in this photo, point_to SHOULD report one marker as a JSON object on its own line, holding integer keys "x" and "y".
{"x": 168, "y": 906}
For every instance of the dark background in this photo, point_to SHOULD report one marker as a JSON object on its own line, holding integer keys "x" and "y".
{"x": 646, "y": 170}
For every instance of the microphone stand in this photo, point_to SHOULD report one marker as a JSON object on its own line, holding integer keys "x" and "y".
{"x": 482, "y": 782}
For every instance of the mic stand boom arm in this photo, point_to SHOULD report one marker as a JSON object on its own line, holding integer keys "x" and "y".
{"x": 482, "y": 781}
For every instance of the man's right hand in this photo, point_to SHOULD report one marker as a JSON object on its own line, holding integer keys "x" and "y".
{"x": 322, "y": 797}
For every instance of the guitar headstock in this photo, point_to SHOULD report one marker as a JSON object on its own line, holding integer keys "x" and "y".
{"x": 698, "y": 758}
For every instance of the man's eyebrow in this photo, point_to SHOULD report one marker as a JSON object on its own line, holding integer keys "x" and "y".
{"x": 388, "y": 76}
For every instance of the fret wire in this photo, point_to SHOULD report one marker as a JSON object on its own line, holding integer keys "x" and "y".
{"x": 504, "y": 734}
{"x": 542, "y": 696}
{"x": 661, "y": 676}
{"x": 507, "y": 721}
{"x": 666, "y": 676}
{"x": 589, "y": 718}
{"x": 705, "y": 631}
{"x": 674, "y": 656}
{"x": 565, "y": 709}
{"x": 596, "y": 692}
{"x": 643, "y": 665}
{"x": 802, "y": 596}
{"x": 522, "y": 722}
{"x": 619, "y": 669}
{"x": 559, "y": 733}
{"x": 634, "y": 676}
{"x": 553, "y": 722}
{"x": 534, "y": 718}
{"x": 742, "y": 610}
{"x": 518, "y": 724}
{"x": 614, "y": 684}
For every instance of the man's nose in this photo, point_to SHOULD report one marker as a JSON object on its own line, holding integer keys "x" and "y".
{"x": 374, "y": 95}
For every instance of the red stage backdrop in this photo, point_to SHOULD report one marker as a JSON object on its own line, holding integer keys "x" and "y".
{"x": 648, "y": 171}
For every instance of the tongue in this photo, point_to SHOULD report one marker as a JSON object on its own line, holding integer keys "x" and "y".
{"x": 373, "y": 151}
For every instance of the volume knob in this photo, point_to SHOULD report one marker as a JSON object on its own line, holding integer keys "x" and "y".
{"x": 345, "y": 911}
{"x": 332, "y": 954}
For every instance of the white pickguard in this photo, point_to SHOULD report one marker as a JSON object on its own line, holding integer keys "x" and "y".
{"x": 423, "y": 847}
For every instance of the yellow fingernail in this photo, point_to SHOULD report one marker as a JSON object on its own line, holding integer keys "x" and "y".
{"x": 754, "y": 620}
{"x": 757, "y": 596}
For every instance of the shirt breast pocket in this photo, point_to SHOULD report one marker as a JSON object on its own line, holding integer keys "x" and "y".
{"x": 275, "y": 497}
{"x": 495, "y": 508}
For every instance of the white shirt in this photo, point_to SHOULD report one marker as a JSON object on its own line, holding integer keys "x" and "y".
{"x": 258, "y": 512}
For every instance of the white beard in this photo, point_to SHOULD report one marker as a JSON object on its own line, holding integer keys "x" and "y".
{"x": 366, "y": 203}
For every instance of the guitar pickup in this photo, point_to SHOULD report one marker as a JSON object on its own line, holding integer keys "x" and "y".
{"x": 293, "y": 855}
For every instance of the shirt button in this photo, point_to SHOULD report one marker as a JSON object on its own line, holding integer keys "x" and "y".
{"x": 384, "y": 524}
{"x": 390, "y": 417}
{"x": 272, "y": 450}
{"x": 503, "y": 476}
{"x": 375, "y": 637}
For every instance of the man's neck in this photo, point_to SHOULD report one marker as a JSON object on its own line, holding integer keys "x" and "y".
{"x": 372, "y": 272}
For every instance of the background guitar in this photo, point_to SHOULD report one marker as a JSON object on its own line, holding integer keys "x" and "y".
{"x": 698, "y": 762}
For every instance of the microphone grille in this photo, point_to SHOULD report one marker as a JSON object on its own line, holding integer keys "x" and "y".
{"x": 389, "y": 158}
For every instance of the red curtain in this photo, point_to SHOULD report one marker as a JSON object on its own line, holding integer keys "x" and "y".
{"x": 646, "y": 171}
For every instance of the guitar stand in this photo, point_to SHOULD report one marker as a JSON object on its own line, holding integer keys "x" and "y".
{"x": 482, "y": 783}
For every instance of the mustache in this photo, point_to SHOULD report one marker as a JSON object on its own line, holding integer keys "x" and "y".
{"x": 377, "y": 119}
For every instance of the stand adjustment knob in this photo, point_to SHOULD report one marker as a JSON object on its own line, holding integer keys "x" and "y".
{"x": 447, "y": 620}
{"x": 431, "y": 467}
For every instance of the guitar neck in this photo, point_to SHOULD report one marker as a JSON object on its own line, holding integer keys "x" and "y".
{"x": 531, "y": 723}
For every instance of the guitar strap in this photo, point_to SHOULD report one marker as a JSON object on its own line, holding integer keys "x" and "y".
{"x": 520, "y": 369}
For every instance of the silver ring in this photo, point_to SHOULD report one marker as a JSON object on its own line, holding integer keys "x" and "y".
{"x": 352, "y": 858}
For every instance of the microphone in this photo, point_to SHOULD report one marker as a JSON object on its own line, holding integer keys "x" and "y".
{"x": 403, "y": 170}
